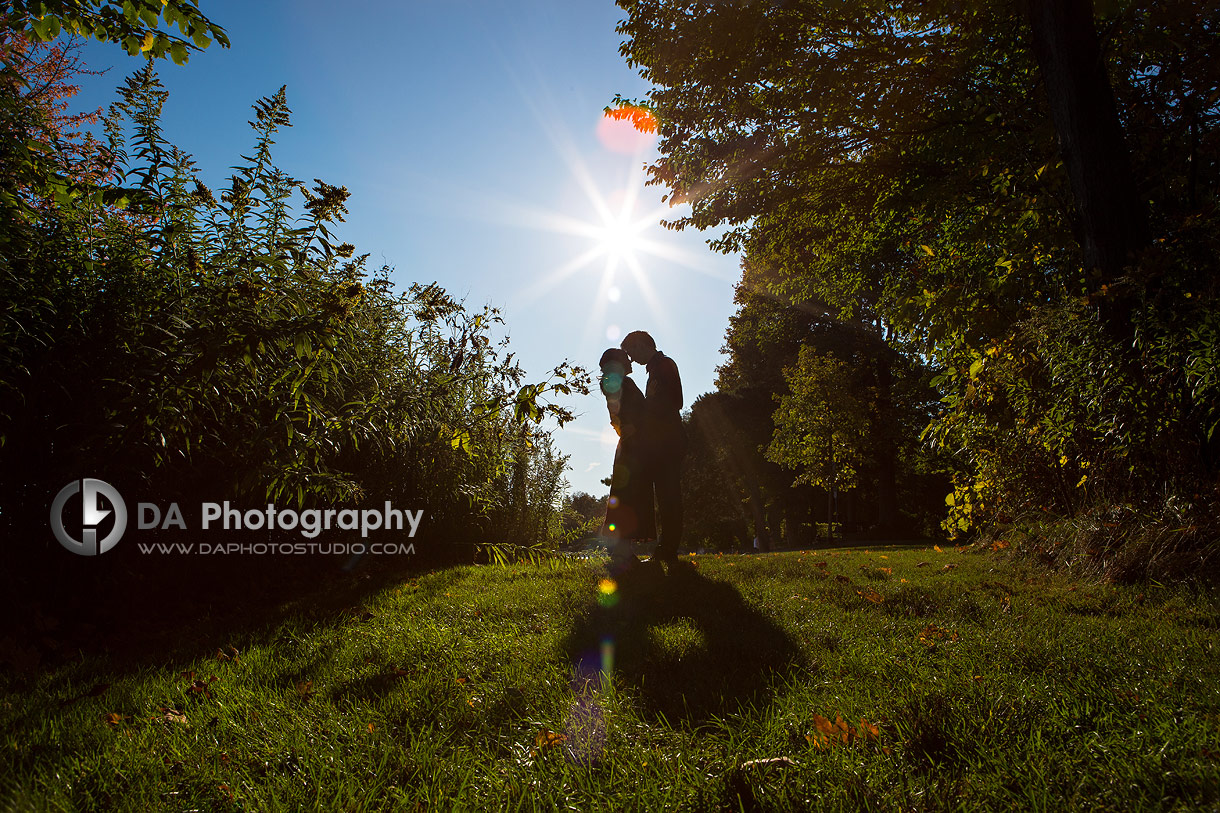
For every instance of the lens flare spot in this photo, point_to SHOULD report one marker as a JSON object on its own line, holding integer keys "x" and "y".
{"x": 607, "y": 657}
{"x": 614, "y": 294}
{"x": 613, "y": 333}
{"x": 607, "y": 592}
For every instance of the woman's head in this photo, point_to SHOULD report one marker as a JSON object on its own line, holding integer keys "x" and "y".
{"x": 615, "y": 361}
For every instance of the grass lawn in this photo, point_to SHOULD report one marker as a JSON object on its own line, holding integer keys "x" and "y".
{"x": 883, "y": 679}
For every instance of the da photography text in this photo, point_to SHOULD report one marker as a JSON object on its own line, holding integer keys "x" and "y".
{"x": 310, "y": 522}
{"x": 89, "y": 517}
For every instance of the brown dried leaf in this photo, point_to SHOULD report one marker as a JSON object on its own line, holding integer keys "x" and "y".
{"x": 173, "y": 716}
{"x": 547, "y": 739}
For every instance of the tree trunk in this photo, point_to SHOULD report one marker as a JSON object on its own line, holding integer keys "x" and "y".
{"x": 887, "y": 451}
{"x": 758, "y": 514}
{"x": 1113, "y": 223}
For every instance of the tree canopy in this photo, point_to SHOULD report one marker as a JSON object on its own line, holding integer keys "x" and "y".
{"x": 966, "y": 183}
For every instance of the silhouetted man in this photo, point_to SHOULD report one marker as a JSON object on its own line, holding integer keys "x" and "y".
{"x": 663, "y": 405}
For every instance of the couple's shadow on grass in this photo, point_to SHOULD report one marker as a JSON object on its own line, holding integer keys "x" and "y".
{"x": 691, "y": 647}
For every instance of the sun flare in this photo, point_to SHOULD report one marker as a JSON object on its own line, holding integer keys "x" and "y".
{"x": 620, "y": 234}
{"x": 618, "y": 238}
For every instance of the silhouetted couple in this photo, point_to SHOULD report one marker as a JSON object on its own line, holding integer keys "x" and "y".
{"x": 648, "y": 459}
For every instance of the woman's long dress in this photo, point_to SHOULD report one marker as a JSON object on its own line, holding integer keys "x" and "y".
{"x": 629, "y": 510}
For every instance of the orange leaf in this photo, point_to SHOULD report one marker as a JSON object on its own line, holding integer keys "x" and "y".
{"x": 548, "y": 739}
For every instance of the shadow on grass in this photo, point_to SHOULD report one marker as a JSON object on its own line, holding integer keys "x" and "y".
{"x": 173, "y": 609}
{"x": 689, "y": 645}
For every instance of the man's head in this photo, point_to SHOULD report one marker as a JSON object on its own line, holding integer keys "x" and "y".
{"x": 640, "y": 346}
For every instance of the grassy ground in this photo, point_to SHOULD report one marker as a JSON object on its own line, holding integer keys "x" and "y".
{"x": 884, "y": 679}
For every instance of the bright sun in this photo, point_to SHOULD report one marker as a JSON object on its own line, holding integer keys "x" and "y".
{"x": 619, "y": 234}
{"x": 619, "y": 238}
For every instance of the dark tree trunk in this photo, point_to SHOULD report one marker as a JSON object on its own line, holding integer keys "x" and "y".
{"x": 1113, "y": 223}
{"x": 792, "y": 521}
{"x": 758, "y": 514}
{"x": 887, "y": 452}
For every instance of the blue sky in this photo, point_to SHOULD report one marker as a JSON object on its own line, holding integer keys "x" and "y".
{"x": 467, "y": 133}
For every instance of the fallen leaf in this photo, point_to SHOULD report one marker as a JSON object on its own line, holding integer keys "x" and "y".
{"x": 546, "y": 739}
{"x": 114, "y": 718}
{"x": 173, "y": 716}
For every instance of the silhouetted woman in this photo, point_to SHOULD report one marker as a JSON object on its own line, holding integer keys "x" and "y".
{"x": 629, "y": 510}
